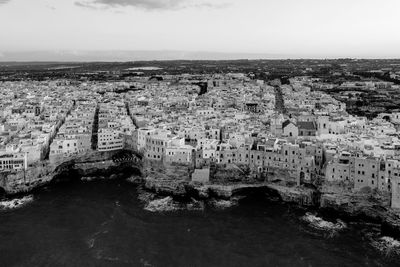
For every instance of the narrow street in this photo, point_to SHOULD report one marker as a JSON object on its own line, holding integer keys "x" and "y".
{"x": 130, "y": 114}
{"x": 59, "y": 124}
{"x": 95, "y": 128}
{"x": 279, "y": 101}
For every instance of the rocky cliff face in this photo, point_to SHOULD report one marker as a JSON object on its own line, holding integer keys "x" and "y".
{"x": 93, "y": 164}
{"x": 166, "y": 179}
{"x": 175, "y": 180}
{"x": 368, "y": 207}
{"x": 24, "y": 181}
{"x": 226, "y": 182}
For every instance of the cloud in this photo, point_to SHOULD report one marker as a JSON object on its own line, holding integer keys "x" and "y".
{"x": 51, "y": 7}
{"x": 146, "y": 4}
{"x": 212, "y": 5}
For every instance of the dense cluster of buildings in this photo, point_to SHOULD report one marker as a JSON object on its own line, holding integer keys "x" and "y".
{"x": 114, "y": 125}
{"x": 75, "y": 135}
{"x": 235, "y": 122}
{"x": 204, "y": 120}
{"x": 31, "y": 114}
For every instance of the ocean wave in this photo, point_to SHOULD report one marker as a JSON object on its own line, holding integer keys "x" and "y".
{"x": 145, "y": 196}
{"x": 319, "y": 223}
{"x": 163, "y": 204}
{"x": 145, "y": 263}
{"x": 90, "y": 242}
{"x": 15, "y": 203}
{"x": 87, "y": 178}
{"x": 195, "y": 205}
{"x": 169, "y": 204}
{"x": 387, "y": 245}
{"x": 223, "y": 204}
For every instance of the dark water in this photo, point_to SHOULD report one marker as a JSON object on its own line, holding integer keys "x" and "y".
{"x": 103, "y": 224}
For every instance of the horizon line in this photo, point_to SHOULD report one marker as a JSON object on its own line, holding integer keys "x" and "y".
{"x": 171, "y": 60}
{"x": 82, "y": 56}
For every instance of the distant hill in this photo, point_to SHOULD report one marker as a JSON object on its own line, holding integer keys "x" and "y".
{"x": 113, "y": 56}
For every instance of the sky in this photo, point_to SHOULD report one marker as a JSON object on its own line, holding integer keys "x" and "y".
{"x": 291, "y": 28}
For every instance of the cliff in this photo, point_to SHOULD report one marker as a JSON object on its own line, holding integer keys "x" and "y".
{"x": 166, "y": 179}
{"x": 24, "y": 181}
{"x": 226, "y": 183}
{"x": 332, "y": 199}
{"x": 367, "y": 204}
{"x": 94, "y": 164}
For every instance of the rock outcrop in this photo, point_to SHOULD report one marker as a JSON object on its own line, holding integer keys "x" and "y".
{"x": 25, "y": 181}
{"x": 90, "y": 165}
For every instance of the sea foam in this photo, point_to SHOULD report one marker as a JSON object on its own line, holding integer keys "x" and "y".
{"x": 163, "y": 204}
{"x": 15, "y": 203}
{"x": 387, "y": 245}
{"x": 319, "y": 223}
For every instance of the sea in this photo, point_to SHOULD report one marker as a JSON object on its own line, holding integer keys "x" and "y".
{"x": 102, "y": 223}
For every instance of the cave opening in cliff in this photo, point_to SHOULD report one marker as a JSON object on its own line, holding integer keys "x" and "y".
{"x": 2, "y": 192}
{"x": 257, "y": 195}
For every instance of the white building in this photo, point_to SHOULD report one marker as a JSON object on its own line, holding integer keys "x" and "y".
{"x": 109, "y": 139}
{"x": 13, "y": 162}
{"x": 181, "y": 154}
{"x": 141, "y": 137}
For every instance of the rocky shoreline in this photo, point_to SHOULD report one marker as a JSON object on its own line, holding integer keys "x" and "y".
{"x": 176, "y": 190}
{"x": 354, "y": 209}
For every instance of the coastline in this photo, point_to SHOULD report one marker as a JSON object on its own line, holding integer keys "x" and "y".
{"x": 353, "y": 208}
